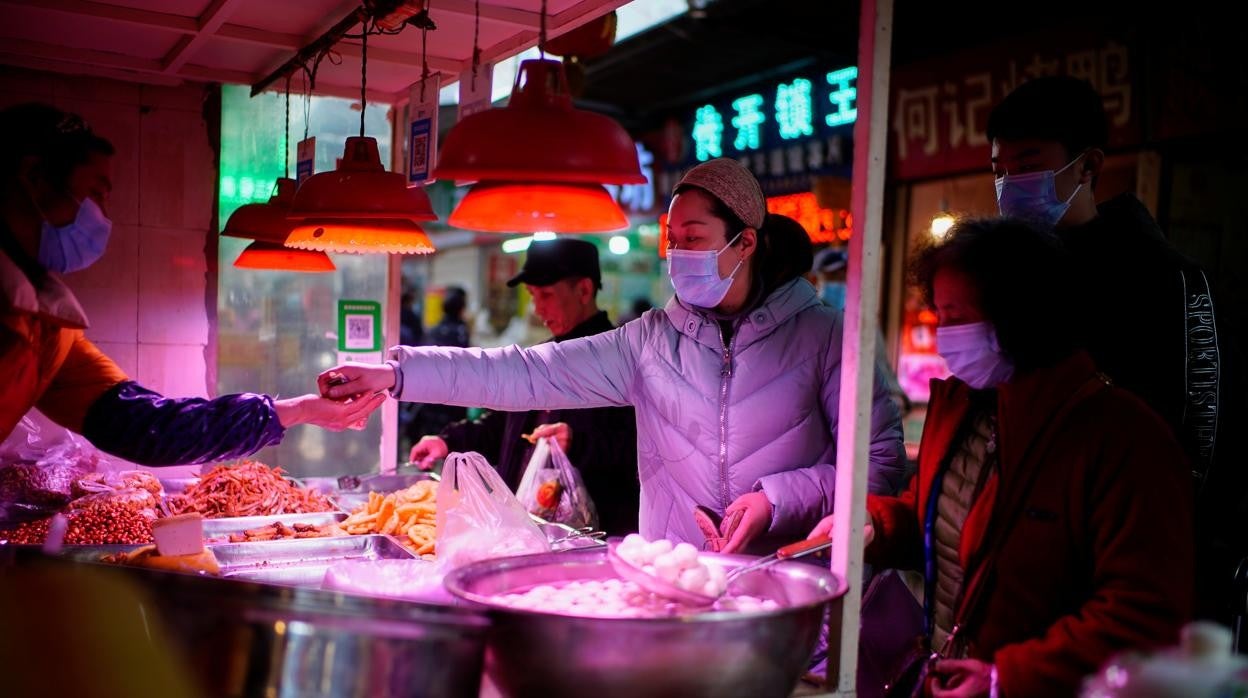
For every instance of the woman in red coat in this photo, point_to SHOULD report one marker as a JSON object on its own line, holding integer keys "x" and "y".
{"x": 1051, "y": 511}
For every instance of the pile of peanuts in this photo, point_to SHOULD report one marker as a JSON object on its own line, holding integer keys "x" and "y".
{"x": 105, "y": 522}
{"x": 29, "y": 533}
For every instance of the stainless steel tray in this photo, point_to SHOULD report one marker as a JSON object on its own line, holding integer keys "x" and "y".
{"x": 301, "y": 561}
{"x": 222, "y": 528}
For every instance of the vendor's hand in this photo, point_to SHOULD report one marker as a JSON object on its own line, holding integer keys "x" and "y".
{"x": 427, "y": 451}
{"x": 355, "y": 380}
{"x": 562, "y": 434}
{"x": 824, "y": 530}
{"x": 961, "y": 678}
{"x": 754, "y": 523}
{"x": 333, "y": 415}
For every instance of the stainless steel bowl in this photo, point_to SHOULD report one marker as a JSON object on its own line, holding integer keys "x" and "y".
{"x": 239, "y": 638}
{"x": 723, "y": 654}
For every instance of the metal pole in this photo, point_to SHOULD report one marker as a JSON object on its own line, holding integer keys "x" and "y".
{"x": 858, "y": 345}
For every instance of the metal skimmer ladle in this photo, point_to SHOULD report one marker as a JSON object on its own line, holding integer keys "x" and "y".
{"x": 661, "y": 587}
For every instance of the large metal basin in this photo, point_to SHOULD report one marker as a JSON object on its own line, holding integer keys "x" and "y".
{"x": 723, "y": 654}
{"x": 238, "y": 638}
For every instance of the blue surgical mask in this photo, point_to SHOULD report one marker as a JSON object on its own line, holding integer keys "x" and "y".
{"x": 833, "y": 294}
{"x": 972, "y": 354}
{"x": 78, "y": 245}
{"x": 1033, "y": 197}
{"x": 695, "y": 275}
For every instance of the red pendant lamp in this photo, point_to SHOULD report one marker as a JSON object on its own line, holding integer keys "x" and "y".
{"x": 266, "y": 225}
{"x": 539, "y": 160}
{"x": 359, "y": 207}
{"x": 517, "y": 207}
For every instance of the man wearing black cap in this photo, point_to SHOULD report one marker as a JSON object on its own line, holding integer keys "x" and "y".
{"x": 563, "y": 277}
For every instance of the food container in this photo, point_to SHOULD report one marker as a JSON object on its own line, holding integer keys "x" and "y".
{"x": 238, "y": 638}
{"x": 350, "y": 498}
{"x": 721, "y": 654}
{"x": 301, "y": 561}
{"x": 217, "y": 529}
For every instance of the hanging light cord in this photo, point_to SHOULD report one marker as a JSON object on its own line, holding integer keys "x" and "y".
{"x": 307, "y": 103}
{"x": 476, "y": 44}
{"x": 364, "y": 79}
{"x": 541, "y": 39}
{"x": 424, "y": 53}
{"x": 286, "y": 133}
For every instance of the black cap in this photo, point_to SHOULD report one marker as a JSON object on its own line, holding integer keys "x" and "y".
{"x": 549, "y": 261}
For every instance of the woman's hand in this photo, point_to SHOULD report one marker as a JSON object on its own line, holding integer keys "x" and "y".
{"x": 755, "y": 520}
{"x": 823, "y": 529}
{"x": 354, "y": 380}
{"x": 562, "y": 434}
{"x": 961, "y": 678}
{"x": 333, "y": 415}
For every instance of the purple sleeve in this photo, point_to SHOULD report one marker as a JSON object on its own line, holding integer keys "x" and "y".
{"x": 148, "y": 428}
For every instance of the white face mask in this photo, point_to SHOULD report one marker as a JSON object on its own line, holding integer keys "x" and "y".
{"x": 695, "y": 275}
{"x": 1033, "y": 197}
{"x": 973, "y": 355}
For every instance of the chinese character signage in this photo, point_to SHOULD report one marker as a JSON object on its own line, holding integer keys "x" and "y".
{"x": 939, "y": 110}
{"x": 784, "y": 133}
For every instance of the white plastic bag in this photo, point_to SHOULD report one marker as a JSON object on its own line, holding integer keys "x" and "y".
{"x": 478, "y": 516}
{"x": 552, "y": 488}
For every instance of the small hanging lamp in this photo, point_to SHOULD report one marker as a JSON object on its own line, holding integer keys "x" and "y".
{"x": 518, "y": 207}
{"x": 266, "y": 225}
{"x": 360, "y": 207}
{"x": 539, "y": 162}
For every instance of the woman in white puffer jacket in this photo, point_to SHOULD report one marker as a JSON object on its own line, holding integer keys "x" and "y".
{"x": 736, "y": 383}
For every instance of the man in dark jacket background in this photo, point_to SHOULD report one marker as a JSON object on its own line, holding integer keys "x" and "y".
{"x": 1149, "y": 312}
{"x": 563, "y": 277}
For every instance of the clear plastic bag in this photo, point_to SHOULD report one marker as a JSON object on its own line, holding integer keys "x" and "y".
{"x": 413, "y": 580}
{"x": 38, "y": 471}
{"x": 552, "y": 488}
{"x": 478, "y": 516}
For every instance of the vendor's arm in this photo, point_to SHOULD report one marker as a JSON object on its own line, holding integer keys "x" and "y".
{"x": 93, "y": 396}
{"x": 148, "y": 428}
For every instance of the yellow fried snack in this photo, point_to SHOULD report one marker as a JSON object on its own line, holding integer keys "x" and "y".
{"x": 408, "y": 514}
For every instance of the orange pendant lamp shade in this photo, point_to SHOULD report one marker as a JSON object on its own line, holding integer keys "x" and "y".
{"x": 277, "y": 257}
{"x": 266, "y": 224}
{"x": 360, "y": 208}
{"x": 353, "y": 236}
{"x": 539, "y": 136}
{"x": 515, "y": 207}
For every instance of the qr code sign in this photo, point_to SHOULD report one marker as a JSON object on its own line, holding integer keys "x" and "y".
{"x": 420, "y": 153}
{"x": 359, "y": 332}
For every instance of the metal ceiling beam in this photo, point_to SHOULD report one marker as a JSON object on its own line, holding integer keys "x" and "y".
{"x": 579, "y": 14}
{"x": 85, "y": 59}
{"x": 206, "y": 26}
{"x": 115, "y": 13}
{"x": 489, "y": 13}
{"x": 67, "y": 67}
{"x": 397, "y": 57}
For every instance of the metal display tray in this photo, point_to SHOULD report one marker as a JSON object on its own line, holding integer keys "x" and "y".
{"x": 216, "y": 529}
{"x": 301, "y": 561}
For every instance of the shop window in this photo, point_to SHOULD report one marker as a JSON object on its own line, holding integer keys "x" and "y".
{"x": 277, "y": 330}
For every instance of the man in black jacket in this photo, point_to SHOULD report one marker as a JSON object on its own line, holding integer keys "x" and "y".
{"x": 1149, "y": 317}
{"x": 563, "y": 277}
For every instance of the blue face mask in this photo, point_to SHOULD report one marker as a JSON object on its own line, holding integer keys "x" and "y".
{"x": 78, "y": 245}
{"x": 695, "y": 275}
{"x": 833, "y": 293}
{"x": 1033, "y": 197}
